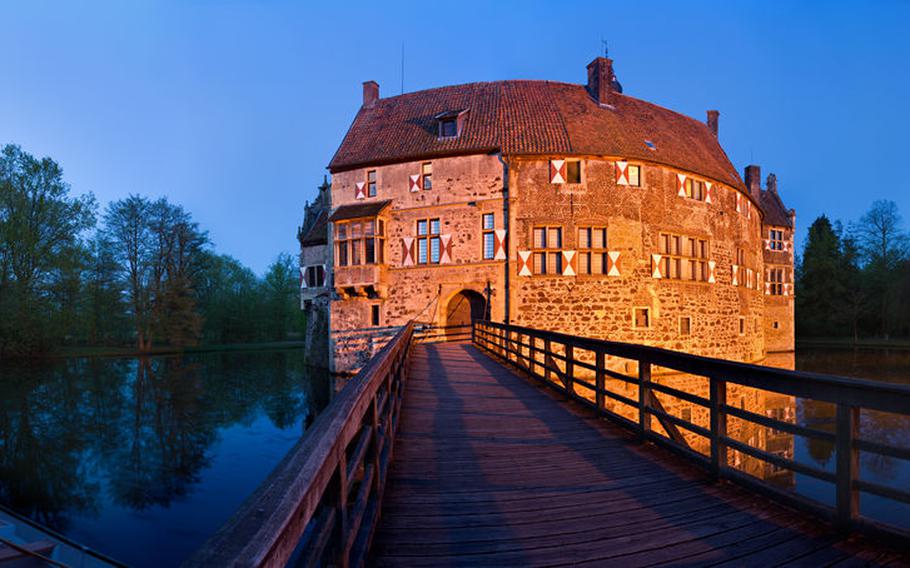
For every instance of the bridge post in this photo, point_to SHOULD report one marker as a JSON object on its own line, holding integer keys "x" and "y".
{"x": 718, "y": 426}
{"x": 546, "y": 360}
{"x": 847, "y": 464}
{"x": 570, "y": 370}
{"x": 599, "y": 380}
{"x": 644, "y": 397}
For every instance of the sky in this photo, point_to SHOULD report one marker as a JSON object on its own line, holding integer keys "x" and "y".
{"x": 234, "y": 108}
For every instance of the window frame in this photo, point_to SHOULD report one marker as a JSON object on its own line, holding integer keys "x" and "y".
{"x": 569, "y": 177}
{"x": 353, "y": 247}
{"x": 426, "y": 179}
{"x": 372, "y": 184}
{"x": 647, "y": 312}
{"x": 314, "y": 276}
{"x": 637, "y": 169}
{"x": 587, "y": 253}
{"x": 777, "y": 278}
{"x": 688, "y": 331}
{"x": 375, "y": 315}
{"x": 487, "y": 232}
{"x": 675, "y": 265}
{"x": 776, "y": 243}
{"x": 547, "y": 252}
{"x": 427, "y": 240}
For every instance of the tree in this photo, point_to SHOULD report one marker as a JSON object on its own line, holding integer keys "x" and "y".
{"x": 884, "y": 246}
{"x": 160, "y": 253}
{"x": 820, "y": 285}
{"x": 280, "y": 292}
{"x": 41, "y": 227}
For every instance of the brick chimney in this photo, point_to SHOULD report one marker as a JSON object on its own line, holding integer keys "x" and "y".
{"x": 370, "y": 93}
{"x": 753, "y": 181}
{"x": 600, "y": 79}
{"x": 713, "y": 116}
{"x": 771, "y": 183}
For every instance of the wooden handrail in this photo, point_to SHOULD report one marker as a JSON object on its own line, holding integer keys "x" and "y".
{"x": 848, "y": 394}
{"x": 321, "y": 503}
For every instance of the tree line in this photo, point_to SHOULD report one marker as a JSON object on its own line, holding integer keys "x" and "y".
{"x": 141, "y": 272}
{"x": 853, "y": 279}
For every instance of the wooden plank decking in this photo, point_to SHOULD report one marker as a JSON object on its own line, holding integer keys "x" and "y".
{"x": 493, "y": 470}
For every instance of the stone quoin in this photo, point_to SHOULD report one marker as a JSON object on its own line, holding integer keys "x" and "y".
{"x": 564, "y": 207}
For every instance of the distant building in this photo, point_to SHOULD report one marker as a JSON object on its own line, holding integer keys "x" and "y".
{"x": 566, "y": 207}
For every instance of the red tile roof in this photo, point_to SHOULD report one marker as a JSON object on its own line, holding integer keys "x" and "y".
{"x": 776, "y": 213}
{"x": 531, "y": 118}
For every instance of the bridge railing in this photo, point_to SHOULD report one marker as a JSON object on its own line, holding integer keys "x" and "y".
{"x": 321, "y": 504}
{"x": 570, "y": 363}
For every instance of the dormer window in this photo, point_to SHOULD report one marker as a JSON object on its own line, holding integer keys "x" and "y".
{"x": 450, "y": 123}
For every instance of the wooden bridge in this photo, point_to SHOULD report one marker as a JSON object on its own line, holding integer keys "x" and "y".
{"x": 502, "y": 457}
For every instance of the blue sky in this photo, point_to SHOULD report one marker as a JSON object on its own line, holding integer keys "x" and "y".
{"x": 234, "y": 108}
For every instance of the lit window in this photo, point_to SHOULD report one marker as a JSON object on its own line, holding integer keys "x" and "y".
{"x": 695, "y": 189}
{"x": 683, "y": 258}
{"x": 592, "y": 250}
{"x": 359, "y": 242}
{"x": 427, "y": 173}
{"x": 641, "y": 318}
{"x": 489, "y": 240}
{"x": 634, "y": 175}
{"x": 547, "y": 253}
{"x": 371, "y": 183}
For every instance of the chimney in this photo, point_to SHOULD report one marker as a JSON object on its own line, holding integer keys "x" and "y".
{"x": 370, "y": 93}
{"x": 771, "y": 183}
{"x": 713, "y": 115}
{"x": 600, "y": 79}
{"x": 753, "y": 181}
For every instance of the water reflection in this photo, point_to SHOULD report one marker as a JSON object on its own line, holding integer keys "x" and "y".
{"x": 107, "y": 449}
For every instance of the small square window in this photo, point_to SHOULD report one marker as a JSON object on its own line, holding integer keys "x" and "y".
{"x": 488, "y": 220}
{"x": 634, "y": 175}
{"x": 573, "y": 171}
{"x": 374, "y": 315}
{"x": 427, "y": 175}
{"x": 448, "y": 128}
{"x": 685, "y": 325}
{"x": 641, "y": 318}
{"x": 371, "y": 183}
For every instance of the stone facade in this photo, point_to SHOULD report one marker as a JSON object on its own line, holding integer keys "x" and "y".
{"x": 488, "y": 188}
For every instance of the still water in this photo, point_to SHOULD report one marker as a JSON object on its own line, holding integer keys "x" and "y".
{"x": 144, "y": 459}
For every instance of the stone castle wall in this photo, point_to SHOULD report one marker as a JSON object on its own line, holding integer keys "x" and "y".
{"x": 601, "y": 306}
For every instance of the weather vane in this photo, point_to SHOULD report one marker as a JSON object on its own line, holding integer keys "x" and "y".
{"x": 603, "y": 44}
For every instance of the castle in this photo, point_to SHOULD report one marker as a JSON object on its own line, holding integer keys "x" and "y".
{"x": 573, "y": 208}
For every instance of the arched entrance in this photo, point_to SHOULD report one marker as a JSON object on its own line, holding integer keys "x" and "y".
{"x": 463, "y": 307}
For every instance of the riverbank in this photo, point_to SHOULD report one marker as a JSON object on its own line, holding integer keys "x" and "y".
{"x": 848, "y": 343}
{"x": 101, "y": 351}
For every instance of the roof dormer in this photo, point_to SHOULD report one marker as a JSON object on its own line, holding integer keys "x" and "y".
{"x": 449, "y": 124}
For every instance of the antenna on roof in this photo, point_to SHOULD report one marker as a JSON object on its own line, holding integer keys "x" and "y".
{"x": 402, "y": 68}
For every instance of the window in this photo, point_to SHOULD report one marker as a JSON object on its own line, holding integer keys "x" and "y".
{"x": 776, "y": 281}
{"x": 684, "y": 258}
{"x": 428, "y": 241}
{"x": 695, "y": 189}
{"x": 634, "y": 175}
{"x": 685, "y": 325}
{"x": 371, "y": 183}
{"x": 777, "y": 239}
{"x": 374, "y": 315}
{"x": 360, "y": 242}
{"x": 742, "y": 325}
{"x": 573, "y": 171}
{"x": 448, "y": 128}
{"x": 592, "y": 250}
{"x": 426, "y": 172}
{"x": 314, "y": 276}
{"x": 641, "y": 318}
{"x": 547, "y": 251}
{"x": 489, "y": 238}
{"x": 776, "y": 325}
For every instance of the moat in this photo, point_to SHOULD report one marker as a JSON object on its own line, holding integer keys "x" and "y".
{"x": 145, "y": 459}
